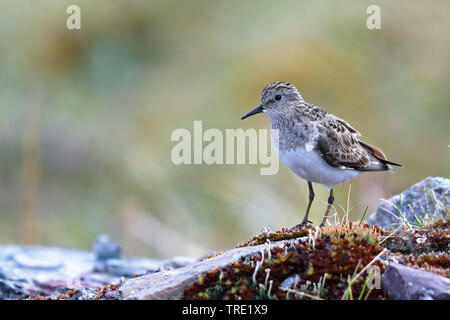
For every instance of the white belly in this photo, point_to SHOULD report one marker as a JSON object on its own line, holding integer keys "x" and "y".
{"x": 310, "y": 166}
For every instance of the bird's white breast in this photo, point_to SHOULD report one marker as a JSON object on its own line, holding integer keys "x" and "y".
{"x": 309, "y": 165}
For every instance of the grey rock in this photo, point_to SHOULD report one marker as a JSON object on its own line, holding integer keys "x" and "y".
{"x": 170, "y": 284}
{"x": 404, "y": 283}
{"x": 177, "y": 262}
{"x": 105, "y": 248}
{"x": 429, "y": 196}
{"x": 10, "y": 290}
{"x": 29, "y": 271}
{"x": 85, "y": 294}
{"x": 113, "y": 295}
{"x": 43, "y": 264}
{"x": 289, "y": 281}
{"x": 129, "y": 267}
{"x": 38, "y": 260}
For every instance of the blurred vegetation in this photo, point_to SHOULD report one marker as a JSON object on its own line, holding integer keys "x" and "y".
{"x": 86, "y": 115}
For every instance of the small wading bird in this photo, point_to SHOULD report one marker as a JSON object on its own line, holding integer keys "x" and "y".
{"x": 316, "y": 145}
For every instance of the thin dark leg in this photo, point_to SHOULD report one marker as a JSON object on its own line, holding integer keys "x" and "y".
{"x": 330, "y": 204}
{"x": 311, "y": 198}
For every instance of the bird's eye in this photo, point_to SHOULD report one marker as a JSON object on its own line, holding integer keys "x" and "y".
{"x": 278, "y": 97}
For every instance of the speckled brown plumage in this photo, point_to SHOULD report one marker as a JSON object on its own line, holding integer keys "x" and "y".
{"x": 300, "y": 122}
{"x": 316, "y": 145}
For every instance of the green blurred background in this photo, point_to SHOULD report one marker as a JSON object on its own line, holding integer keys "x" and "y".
{"x": 86, "y": 115}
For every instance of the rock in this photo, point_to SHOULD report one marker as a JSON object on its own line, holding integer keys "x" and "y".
{"x": 105, "y": 248}
{"x": 113, "y": 295}
{"x": 177, "y": 262}
{"x": 289, "y": 282}
{"x": 129, "y": 267}
{"x": 429, "y": 196}
{"x": 11, "y": 289}
{"x": 35, "y": 270}
{"x": 404, "y": 283}
{"x": 30, "y": 271}
{"x": 170, "y": 284}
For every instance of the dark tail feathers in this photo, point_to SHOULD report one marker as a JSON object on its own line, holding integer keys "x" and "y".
{"x": 378, "y": 154}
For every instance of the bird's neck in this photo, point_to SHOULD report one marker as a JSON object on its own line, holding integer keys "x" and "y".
{"x": 288, "y": 119}
{"x": 291, "y": 132}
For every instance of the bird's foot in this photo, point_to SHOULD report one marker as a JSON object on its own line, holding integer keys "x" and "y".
{"x": 323, "y": 223}
{"x": 303, "y": 224}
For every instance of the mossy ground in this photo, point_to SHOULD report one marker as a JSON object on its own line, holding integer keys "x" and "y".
{"x": 323, "y": 261}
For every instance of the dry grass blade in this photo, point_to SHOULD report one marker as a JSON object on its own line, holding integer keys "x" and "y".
{"x": 353, "y": 279}
{"x": 305, "y": 294}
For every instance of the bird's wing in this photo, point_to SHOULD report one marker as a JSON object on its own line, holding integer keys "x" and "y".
{"x": 339, "y": 147}
{"x": 347, "y": 125}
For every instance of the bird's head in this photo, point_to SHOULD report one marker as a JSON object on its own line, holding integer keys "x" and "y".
{"x": 277, "y": 98}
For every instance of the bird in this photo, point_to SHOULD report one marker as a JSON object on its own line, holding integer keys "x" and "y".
{"x": 316, "y": 145}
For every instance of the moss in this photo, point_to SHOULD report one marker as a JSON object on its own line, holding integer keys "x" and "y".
{"x": 433, "y": 262}
{"x": 323, "y": 260}
{"x": 431, "y": 238}
{"x": 283, "y": 234}
{"x": 338, "y": 251}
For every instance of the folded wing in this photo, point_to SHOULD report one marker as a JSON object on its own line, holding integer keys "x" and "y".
{"x": 339, "y": 147}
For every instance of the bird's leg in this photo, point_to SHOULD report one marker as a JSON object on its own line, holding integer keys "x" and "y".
{"x": 330, "y": 204}
{"x": 311, "y": 198}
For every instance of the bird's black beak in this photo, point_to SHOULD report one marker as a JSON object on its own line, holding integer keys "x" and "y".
{"x": 258, "y": 109}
